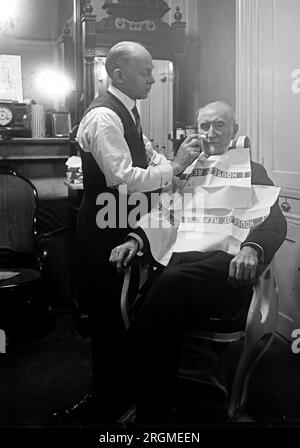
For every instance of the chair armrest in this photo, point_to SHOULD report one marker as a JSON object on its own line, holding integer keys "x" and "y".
{"x": 48, "y": 235}
{"x": 263, "y": 311}
{"x": 124, "y": 297}
{"x": 42, "y": 244}
{"x": 144, "y": 269}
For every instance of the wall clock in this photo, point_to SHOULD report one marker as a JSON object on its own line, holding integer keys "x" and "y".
{"x": 14, "y": 120}
{"x": 6, "y": 115}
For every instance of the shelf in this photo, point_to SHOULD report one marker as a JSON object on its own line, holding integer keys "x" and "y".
{"x": 34, "y": 149}
{"x": 50, "y": 187}
{"x": 73, "y": 186}
{"x": 38, "y": 157}
{"x": 34, "y": 141}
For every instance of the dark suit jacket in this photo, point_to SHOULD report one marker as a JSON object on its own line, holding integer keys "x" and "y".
{"x": 272, "y": 232}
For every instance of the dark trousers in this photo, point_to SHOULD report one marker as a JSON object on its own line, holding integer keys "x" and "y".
{"x": 192, "y": 288}
{"x": 100, "y": 291}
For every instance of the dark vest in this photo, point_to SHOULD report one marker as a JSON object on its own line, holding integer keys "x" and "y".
{"x": 93, "y": 178}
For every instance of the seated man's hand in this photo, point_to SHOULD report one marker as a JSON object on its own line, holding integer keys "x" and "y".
{"x": 243, "y": 267}
{"x": 122, "y": 255}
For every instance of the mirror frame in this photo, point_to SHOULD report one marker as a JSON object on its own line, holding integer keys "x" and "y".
{"x": 94, "y": 38}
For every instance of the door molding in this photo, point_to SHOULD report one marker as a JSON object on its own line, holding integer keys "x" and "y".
{"x": 247, "y": 72}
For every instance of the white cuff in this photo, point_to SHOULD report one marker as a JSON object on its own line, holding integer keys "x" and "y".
{"x": 261, "y": 254}
{"x": 155, "y": 159}
{"x": 166, "y": 174}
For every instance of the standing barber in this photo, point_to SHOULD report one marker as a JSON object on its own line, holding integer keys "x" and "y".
{"x": 113, "y": 155}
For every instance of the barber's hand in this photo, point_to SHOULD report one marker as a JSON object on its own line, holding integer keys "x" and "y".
{"x": 243, "y": 267}
{"x": 188, "y": 151}
{"x": 205, "y": 146}
{"x": 149, "y": 151}
{"x": 122, "y": 255}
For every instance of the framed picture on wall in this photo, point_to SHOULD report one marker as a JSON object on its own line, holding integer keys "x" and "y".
{"x": 61, "y": 124}
{"x": 10, "y": 78}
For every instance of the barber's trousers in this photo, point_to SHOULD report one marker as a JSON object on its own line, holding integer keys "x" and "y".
{"x": 193, "y": 287}
{"x": 100, "y": 291}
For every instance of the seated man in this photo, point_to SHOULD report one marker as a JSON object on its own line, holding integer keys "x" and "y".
{"x": 210, "y": 238}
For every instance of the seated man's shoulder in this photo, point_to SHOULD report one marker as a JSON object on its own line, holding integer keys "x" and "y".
{"x": 255, "y": 166}
{"x": 259, "y": 174}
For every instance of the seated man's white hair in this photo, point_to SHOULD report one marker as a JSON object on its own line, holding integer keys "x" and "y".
{"x": 219, "y": 103}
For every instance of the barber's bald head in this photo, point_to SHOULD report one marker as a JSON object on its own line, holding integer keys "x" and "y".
{"x": 129, "y": 65}
{"x": 217, "y": 121}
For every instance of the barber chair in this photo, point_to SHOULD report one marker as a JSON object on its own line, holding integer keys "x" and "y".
{"x": 255, "y": 329}
{"x": 22, "y": 254}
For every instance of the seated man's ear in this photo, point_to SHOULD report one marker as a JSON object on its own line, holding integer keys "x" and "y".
{"x": 235, "y": 130}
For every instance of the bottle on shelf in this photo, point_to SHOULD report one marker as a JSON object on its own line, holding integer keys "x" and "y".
{"x": 189, "y": 130}
{"x": 179, "y": 135}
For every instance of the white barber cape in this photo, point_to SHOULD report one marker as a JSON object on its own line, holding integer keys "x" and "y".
{"x": 213, "y": 206}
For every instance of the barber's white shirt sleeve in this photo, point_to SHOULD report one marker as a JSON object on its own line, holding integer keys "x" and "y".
{"x": 158, "y": 159}
{"x": 101, "y": 133}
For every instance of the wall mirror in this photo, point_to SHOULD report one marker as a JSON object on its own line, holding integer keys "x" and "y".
{"x": 157, "y": 110}
{"x": 139, "y": 21}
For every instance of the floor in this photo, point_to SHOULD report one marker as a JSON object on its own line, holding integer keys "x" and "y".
{"x": 52, "y": 368}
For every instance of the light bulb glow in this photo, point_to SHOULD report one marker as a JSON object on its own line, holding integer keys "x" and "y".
{"x": 7, "y": 9}
{"x": 54, "y": 83}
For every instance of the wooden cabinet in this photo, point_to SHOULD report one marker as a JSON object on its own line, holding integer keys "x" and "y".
{"x": 75, "y": 193}
{"x": 288, "y": 269}
{"x": 40, "y": 160}
{"x": 43, "y": 162}
{"x": 139, "y": 21}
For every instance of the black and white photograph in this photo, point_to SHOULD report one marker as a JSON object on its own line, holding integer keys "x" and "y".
{"x": 149, "y": 221}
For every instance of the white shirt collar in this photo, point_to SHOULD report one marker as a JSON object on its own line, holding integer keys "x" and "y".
{"x": 128, "y": 102}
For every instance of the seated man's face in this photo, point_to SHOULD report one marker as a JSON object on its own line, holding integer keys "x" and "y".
{"x": 217, "y": 123}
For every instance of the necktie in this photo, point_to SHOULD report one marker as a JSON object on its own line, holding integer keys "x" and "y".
{"x": 137, "y": 119}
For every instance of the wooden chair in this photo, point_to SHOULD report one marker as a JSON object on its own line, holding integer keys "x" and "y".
{"x": 22, "y": 251}
{"x": 255, "y": 328}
